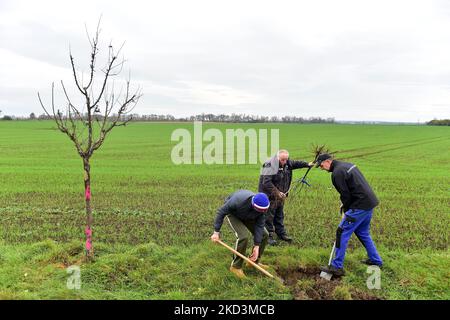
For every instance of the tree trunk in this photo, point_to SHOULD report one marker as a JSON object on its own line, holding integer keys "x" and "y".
{"x": 87, "y": 192}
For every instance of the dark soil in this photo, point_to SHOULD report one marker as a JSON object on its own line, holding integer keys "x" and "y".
{"x": 306, "y": 284}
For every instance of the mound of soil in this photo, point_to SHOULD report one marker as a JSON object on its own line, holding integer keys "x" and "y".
{"x": 306, "y": 284}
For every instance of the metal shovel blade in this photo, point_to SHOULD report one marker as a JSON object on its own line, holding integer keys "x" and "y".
{"x": 327, "y": 276}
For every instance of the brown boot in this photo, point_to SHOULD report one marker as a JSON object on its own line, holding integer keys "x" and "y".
{"x": 238, "y": 272}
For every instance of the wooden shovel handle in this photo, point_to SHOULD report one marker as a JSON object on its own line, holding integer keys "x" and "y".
{"x": 246, "y": 259}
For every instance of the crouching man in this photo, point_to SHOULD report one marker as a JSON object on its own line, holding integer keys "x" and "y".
{"x": 244, "y": 211}
{"x": 358, "y": 201}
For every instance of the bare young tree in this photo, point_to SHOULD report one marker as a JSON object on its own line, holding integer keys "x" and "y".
{"x": 88, "y": 124}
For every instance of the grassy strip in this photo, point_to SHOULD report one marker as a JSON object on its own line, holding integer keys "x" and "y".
{"x": 199, "y": 271}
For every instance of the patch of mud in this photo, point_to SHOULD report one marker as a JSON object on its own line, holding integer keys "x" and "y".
{"x": 306, "y": 284}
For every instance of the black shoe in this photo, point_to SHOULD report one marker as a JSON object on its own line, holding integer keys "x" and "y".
{"x": 285, "y": 237}
{"x": 371, "y": 263}
{"x": 334, "y": 271}
{"x": 271, "y": 241}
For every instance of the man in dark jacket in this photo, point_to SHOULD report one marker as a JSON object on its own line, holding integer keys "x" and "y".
{"x": 244, "y": 211}
{"x": 275, "y": 181}
{"x": 358, "y": 201}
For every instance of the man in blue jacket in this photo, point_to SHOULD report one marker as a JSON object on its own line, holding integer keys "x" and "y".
{"x": 244, "y": 211}
{"x": 358, "y": 201}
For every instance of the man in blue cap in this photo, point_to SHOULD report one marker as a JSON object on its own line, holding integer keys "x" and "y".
{"x": 245, "y": 211}
{"x": 358, "y": 201}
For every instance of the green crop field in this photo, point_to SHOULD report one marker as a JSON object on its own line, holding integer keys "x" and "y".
{"x": 153, "y": 219}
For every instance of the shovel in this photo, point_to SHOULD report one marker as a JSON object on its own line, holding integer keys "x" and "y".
{"x": 245, "y": 258}
{"x": 323, "y": 274}
{"x": 327, "y": 276}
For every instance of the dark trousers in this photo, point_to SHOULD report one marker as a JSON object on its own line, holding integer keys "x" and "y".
{"x": 241, "y": 230}
{"x": 275, "y": 220}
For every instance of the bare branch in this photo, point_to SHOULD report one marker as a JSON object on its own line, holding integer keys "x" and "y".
{"x": 71, "y": 106}
{"x": 42, "y": 105}
{"x": 87, "y": 34}
{"x": 94, "y": 51}
{"x": 125, "y": 122}
{"x": 109, "y": 68}
{"x": 75, "y": 73}
{"x": 117, "y": 122}
{"x": 118, "y": 65}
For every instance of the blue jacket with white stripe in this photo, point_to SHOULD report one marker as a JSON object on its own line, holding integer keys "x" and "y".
{"x": 354, "y": 189}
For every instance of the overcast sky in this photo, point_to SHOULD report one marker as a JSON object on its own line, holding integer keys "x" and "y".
{"x": 351, "y": 60}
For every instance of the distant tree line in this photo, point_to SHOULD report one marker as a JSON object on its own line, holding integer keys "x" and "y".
{"x": 208, "y": 117}
{"x": 205, "y": 117}
{"x": 441, "y": 122}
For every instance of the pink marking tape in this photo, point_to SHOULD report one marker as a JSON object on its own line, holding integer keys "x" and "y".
{"x": 88, "y": 193}
{"x": 88, "y": 239}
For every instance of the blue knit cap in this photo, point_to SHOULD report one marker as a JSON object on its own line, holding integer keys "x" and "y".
{"x": 260, "y": 202}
